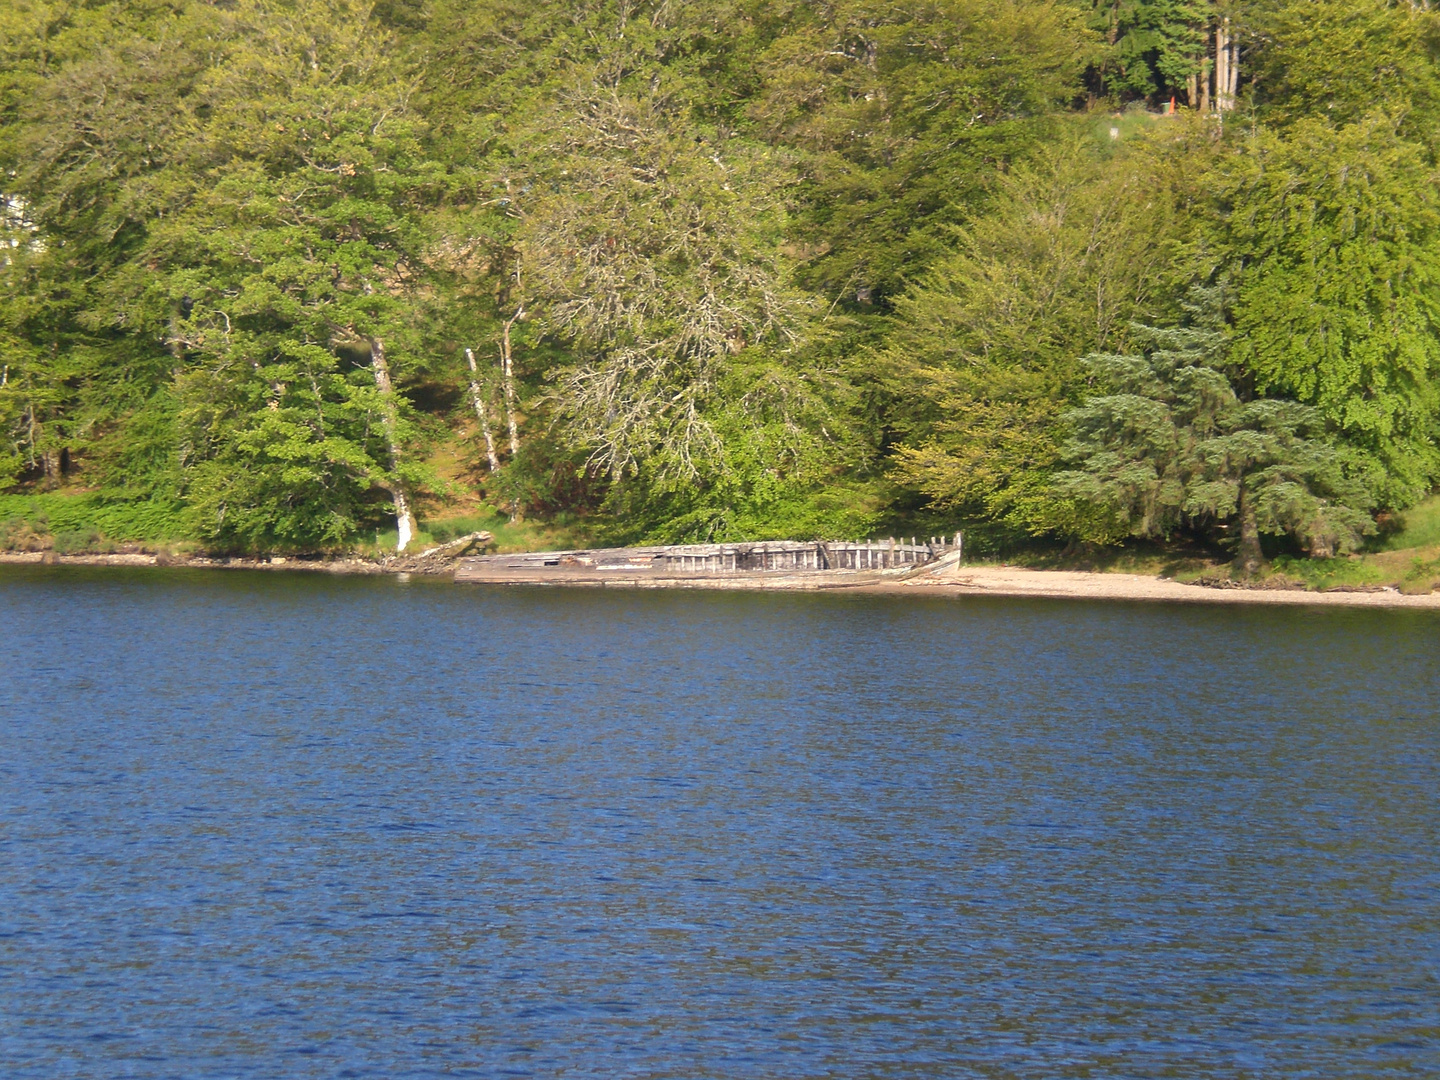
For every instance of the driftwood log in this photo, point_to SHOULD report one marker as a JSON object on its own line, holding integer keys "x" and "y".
{"x": 458, "y": 546}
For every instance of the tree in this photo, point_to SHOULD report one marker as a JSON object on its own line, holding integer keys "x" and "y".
{"x": 95, "y": 105}
{"x": 289, "y": 272}
{"x": 1343, "y": 60}
{"x": 981, "y": 360}
{"x": 1158, "y": 47}
{"x": 656, "y": 260}
{"x": 1332, "y": 237}
{"x": 905, "y": 113}
{"x": 1172, "y": 446}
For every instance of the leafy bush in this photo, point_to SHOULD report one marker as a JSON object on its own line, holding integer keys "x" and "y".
{"x": 120, "y": 520}
{"x": 78, "y": 541}
{"x": 18, "y": 534}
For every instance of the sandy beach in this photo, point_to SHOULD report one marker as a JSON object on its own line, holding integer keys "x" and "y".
{"x": 1082, "y": 585}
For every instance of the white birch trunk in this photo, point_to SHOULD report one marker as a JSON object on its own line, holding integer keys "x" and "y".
{"x": 1223, "y": 102}
{"x": 507, "y": 373}
{"x": 390, "y": 419}
{"x": 1220, "y": 51}
{"x": 404, "y": 519}
{"x": 1232, "y": 69}
{"x": 508, "y": 377}
{"x": 481, "y": 411}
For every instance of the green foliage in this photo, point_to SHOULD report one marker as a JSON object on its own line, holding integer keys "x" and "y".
{"x": 24, "y": 534}
{"x": 1321, "y": 574}
{"x": 78, "y": 542}
{"x": 783, "y": 444}
{"x": 750, "y": 268}
{"x": 1172, "y": 446}
{"x": 1334, "y": 236}
{"x": 1074, "y": 248}
{"x": 1342, "y": 60}
{"x": 906, "y": 112}
{"x": 656, "y": 262}
{"x": 115, "y": 519}
{"x": 1420, "y": 527}
{"x": 561, "y": 530}
{"x": 1157, "y": 46}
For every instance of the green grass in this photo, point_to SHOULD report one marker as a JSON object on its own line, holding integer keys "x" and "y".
{"x": 1331, "y": 573}
{"x": 517, "y": 536}
{"x": 1176, "y": 561}
{"x": 1420, "y": 527}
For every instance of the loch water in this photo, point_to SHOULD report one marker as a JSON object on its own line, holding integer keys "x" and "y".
{"x": 283, "y": 825}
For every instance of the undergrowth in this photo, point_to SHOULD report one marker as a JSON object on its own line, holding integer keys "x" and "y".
{"x": 1420, "y": 527}
{"x": 75, "y": 523}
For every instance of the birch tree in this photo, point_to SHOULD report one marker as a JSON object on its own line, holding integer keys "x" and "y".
{"x": 297, "y": 263}
{"x": 478, "y": 401}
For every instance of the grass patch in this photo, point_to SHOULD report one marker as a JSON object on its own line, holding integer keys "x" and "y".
{"x": 523, "y": 535}
{"x": 82, "y": 542}
{"x": 564, "y": 532}
{"x": 1420, "y": 527}
{"x": 1320, "y": 574}
{"x": 1175, "y": 561}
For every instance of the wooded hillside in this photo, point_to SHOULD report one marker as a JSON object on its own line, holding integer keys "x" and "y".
{"x": 278, "y": 274}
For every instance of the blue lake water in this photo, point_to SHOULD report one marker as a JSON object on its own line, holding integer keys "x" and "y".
{"x": 275, "y": 825}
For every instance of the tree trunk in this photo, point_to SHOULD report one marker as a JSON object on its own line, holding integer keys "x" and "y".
{"x": 30, "y": 435}
{"x": 177, "y": 348}
{"x": 508, "y": 374}
{"x": 50, "y": 466}
{"x": 481, "y": 412}
{"x": 1232, "y": 69}
{"x": 1222, "y": 52}
{"x": 1224, "y": 76}
{"x": 390, "y": 418}
{"x": 508, "y": 377}
{"x": 1205, "y": 86}
{"x": 1249, "y": 558}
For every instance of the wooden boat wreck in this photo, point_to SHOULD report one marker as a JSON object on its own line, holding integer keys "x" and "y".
{"x": 763, "y": 564}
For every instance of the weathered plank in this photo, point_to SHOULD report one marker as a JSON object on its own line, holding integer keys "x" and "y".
{"x": 691, "y": 560}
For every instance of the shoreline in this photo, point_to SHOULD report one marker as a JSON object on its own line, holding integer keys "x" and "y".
{"x": 1017, "y": 582}
{"x": 347, "y": 566}
{"x": 950, "y": 582}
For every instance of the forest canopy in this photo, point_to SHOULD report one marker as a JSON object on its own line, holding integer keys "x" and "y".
{"x": 278, "y": 274}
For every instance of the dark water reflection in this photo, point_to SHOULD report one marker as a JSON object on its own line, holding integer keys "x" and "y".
{"x": 271, "y": 826}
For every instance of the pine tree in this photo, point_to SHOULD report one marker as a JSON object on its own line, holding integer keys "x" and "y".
{"x": 1173, "y": 446}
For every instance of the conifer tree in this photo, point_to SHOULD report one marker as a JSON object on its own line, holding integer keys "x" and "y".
{"x": 1172, "y": 446}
